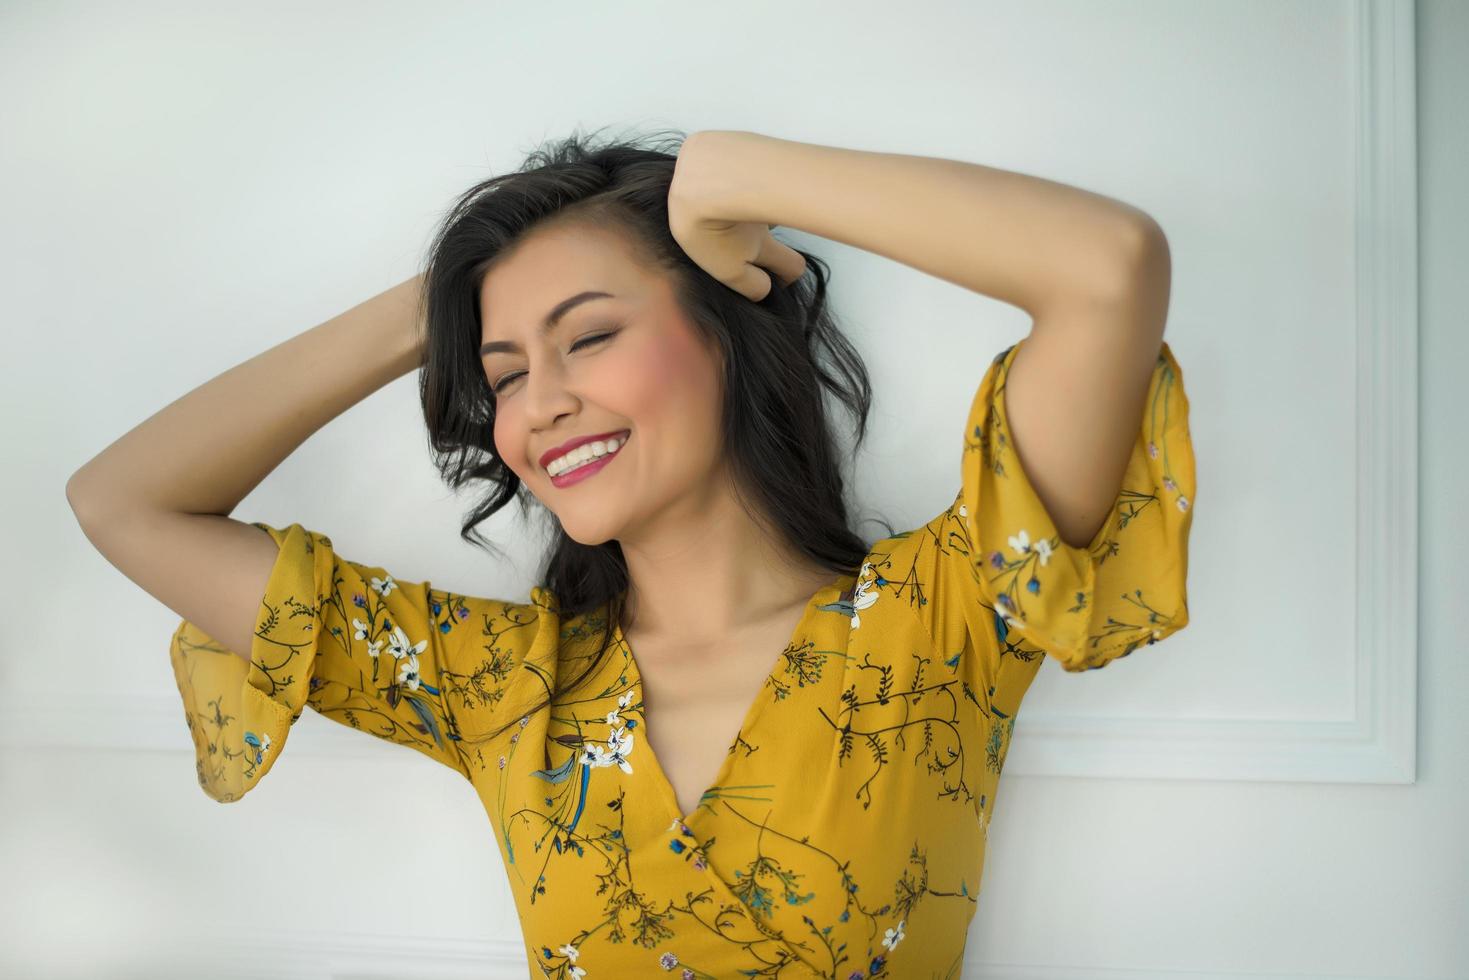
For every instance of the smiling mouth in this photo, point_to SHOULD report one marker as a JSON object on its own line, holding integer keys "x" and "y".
{"x": 623, "y": 438}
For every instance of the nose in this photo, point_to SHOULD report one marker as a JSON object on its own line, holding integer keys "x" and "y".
{"x": 547, "y": 396}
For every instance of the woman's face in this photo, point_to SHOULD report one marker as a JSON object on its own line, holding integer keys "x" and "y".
{"x": 654, "y": 379}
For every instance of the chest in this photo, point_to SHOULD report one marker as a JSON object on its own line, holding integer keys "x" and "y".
{"x": 696, "y": 701}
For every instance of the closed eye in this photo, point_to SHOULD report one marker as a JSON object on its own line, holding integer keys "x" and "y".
{"x": 584, "y": 342}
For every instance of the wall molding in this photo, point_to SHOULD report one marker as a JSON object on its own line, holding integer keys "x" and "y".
{"x": 1378, "y": 744}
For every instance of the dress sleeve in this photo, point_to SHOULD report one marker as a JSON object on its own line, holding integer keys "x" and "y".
{"x": 1006, "y": 582}
{"x": 349, "y": 640}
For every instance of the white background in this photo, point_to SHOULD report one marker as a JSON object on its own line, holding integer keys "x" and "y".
{"x": 185, "y": 185}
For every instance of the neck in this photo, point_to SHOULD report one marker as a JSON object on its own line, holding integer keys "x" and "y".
{"x": 708, "y": 571}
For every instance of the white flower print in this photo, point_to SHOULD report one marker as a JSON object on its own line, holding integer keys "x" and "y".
{"x": 1021, "y": 543}
{"x": 400, "y": 647}
{"x": 866, "y": 593}
{"x": 261, "y": 748}
{"x": 892, "y": 937}
{"x": 569, "y": 951}
{"x": 407, "y": 654}
{"x": 619, "y": 744}
{"x": 408, "y": 672}
{"x": 360, "y": 631}
{"x": 622, "y": 702}
{"x": 614, "y": 753}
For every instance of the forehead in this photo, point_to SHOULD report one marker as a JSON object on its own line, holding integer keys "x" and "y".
{"x": 548, "y": 266}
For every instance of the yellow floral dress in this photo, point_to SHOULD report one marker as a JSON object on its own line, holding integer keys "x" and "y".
{"x": 845, "y": 833}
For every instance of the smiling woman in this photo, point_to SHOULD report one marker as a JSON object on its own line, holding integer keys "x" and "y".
{"x": 588, "y": 318}
{"x": 833, "y": 715}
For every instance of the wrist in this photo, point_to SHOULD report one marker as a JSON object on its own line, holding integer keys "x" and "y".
{"x": 716, "y": 173}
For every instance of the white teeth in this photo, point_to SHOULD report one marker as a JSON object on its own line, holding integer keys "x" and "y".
{"x": 585, "y": 454}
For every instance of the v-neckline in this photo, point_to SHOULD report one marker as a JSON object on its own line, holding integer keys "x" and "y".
{"x": 751, "y": 713}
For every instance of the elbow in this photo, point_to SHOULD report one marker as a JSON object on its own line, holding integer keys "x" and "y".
{"x": 80, "y": 500}
{"x": 1144, "y": 266}
{"x": 1143, "y": 247}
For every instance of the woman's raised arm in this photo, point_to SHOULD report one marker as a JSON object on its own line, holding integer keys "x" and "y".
{"x": 156, "y": 502}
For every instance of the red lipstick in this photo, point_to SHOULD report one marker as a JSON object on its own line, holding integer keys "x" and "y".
{"x": 572, "y": 443}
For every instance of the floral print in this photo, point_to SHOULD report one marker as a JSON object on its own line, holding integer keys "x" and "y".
{"x": 852, "y": 812}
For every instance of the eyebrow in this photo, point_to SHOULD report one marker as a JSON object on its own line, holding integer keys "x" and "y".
{"x": 549, "y": 323}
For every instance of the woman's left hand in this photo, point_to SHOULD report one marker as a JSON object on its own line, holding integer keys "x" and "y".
{"x": 737, "y": 253}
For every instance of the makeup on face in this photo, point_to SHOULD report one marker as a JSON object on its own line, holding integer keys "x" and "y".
{"x": 619, "y": 355}
{"x": 586, "y": 460}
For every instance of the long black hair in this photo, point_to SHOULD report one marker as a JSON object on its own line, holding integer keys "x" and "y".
{"x": 782, "y": 452}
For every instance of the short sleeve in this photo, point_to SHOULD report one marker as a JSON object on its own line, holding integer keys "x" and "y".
{"x": 1005, "y": 583}
{"x": 349, "y": 640}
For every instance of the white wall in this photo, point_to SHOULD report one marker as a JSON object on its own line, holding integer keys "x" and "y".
{"x": 1280, "y": 790}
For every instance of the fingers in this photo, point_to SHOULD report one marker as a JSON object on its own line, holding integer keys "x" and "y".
{"x": 753, "y": 283}
{"x": 782, "y": 260}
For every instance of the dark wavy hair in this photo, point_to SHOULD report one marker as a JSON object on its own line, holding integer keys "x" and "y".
{"x": 780, "y": 446}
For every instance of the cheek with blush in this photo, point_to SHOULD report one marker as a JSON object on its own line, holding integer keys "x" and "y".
{"x": 672, "y": 388}
{"x": 670, "y": 381}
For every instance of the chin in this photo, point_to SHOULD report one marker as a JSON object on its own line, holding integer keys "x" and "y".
{"x": 587, "y": 540}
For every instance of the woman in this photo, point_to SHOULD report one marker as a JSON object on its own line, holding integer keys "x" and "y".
{"x": 613, "y": 335}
